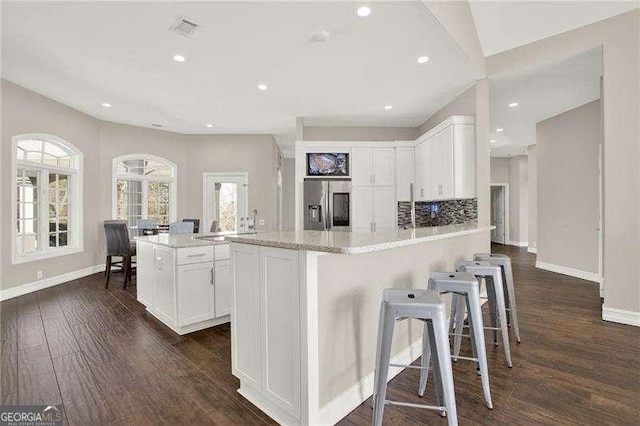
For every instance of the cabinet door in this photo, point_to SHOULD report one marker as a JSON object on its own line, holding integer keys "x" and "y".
{"x": 423, "y": 171}
{"x": 384, "y": 208}
{"x": 464, "y": 157}
{"x": 362, "y": 209}
{"x": 280, "y": 321}
{"x": 145, "y": 273}
{"x": 405, "y": 172}
{"x": 195, "y": 293}
{"x": 245, "y": 315}
{"x": 384, "y": 165}
{"x": 445, "y": 154}
{"x": 164, "y": 305}
{"x": 222, "y": 288}
{"x": 361, "y": 167}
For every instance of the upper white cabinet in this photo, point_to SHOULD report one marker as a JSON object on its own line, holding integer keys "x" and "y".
{"x": 405, "y": 172}
{"x": 374, "y": 208}
{"x": 445, "y": 159}
{"x": 372, "y": 166}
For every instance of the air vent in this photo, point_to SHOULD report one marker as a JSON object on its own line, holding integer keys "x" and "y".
{"x": 183, "y": 27}
{"x": 156, "y": 125}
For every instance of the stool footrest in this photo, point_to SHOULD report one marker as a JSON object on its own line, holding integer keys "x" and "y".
{"x": 409, "y": 404}
{"x": 466, "y": 358}
{"x": 492, "y": 328}
{"x": 415, "y": 367}
{"x": 461, "y": 335}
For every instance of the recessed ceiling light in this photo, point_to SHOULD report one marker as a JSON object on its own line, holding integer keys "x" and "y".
{"x": 363, "y": 11}
{"x": 209, "y": 125}
{"x": 262, "y": 86}
{"x": 493, "y": 141}
{"x": 106, "y": 105}
{"x": 499, "y": 130}
{"x": 513, "y": 104}
{"x": 423, "y": 59}
{"x": 179, "y": 58}
{"x": 388, "y": 107}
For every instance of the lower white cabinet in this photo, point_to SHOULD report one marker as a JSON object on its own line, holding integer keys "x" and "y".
{"x": 188, "y": 288}
{"x": 267, "y": 316}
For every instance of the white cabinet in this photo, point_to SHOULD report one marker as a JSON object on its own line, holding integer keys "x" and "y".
{"x": 445, "y": 161}
{"x": 405, "y": 172}
{"x": 374, "y": 208}
{"x": 195, "y": 293}
{"x": 372, "y": 166}
{"x": 384, "y": 208}
{"x": 265, "y": 324}
{"x": 222, "y": 288}
{"x": 184, "y": 287}
{"x": 423, "y": 171}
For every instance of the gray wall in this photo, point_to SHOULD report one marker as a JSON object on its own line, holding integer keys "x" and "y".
{"x": 567, "y": 188}
{"x": 355, "y": 133}
{"x": 499, "y": 170}
{"x": 532, "y": 161}
{"x": 26, "y": 112}
{"x": 288, "y": 187}
{"x": 463, "y": 104}
{"x": 621, "y": 105}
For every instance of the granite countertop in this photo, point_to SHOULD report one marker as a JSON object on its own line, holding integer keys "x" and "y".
{"x": 189, "y": 240}
{"x": 355, "y": 242}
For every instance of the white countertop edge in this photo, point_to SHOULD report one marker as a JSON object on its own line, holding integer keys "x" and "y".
{"x": 358, "y": 250}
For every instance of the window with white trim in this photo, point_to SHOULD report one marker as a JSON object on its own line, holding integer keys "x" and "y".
{"x": 47, "y": 194}
{"x": 144, "y": 188}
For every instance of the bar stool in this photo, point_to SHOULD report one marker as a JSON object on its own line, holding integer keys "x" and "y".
{"x": 465, "y": 286}
{"x": 492, "y": 276}
{"x": 504, "y": 262}
{"x": 427, "y": 306}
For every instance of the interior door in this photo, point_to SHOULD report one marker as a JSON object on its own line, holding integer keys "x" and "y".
{"x": 497, "y": 214}
{"x": 225, "y": 201}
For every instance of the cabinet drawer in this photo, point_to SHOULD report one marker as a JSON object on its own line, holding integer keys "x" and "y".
{"x": 222, "y": 251}
{"x": 195, "y": 255}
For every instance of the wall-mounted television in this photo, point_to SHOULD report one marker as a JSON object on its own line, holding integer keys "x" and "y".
{"x": 327, "y": 164}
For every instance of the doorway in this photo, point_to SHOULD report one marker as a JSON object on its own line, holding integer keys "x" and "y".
{"x": 225, "y": 201}
{"x": 499, "y": 216}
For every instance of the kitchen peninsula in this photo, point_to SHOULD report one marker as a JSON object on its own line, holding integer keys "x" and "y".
{"x": 305, "y": 311}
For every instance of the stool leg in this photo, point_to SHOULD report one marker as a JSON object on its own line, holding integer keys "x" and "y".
{"x": 459, "y": 325}
{"x": 511, "y": 294}
{"x": 441, "y": 337}
{"x": 502, "y": 314}
{"x": 426, "y": 358}
{"x": 491, "y": 293}
{"x": 475, "y": 316}
{"x": 472, "y": 330}
{"x": 383, "y": 354}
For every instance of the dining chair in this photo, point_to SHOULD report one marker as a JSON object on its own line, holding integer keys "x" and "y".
{"x": 176, "y": 228}
{"x": 119, "y": 245}
{"x": 196, "y": 224}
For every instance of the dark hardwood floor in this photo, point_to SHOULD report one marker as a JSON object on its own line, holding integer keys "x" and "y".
{"x": 101, "y": 355}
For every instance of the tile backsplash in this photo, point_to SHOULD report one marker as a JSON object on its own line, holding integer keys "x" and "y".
{"x": 438, "y": 213}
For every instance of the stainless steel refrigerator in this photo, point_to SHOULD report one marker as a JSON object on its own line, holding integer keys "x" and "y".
{"x": 327, "y": 204}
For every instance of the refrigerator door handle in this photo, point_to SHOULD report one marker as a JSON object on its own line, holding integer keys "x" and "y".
{"x": 329, "y": 215}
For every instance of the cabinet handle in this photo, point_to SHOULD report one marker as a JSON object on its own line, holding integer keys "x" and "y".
{"x": 212, "y": 279}
{"x": 371, "y": 226}
{"x": 197, "y": 255}
{"x": 375, "y": 227}
{"x": 422, "y": 192}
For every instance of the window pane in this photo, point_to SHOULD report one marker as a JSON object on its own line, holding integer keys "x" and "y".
{"x": 28, "y": 226}
{"x": 121, "y": 199}
{"x": 227, "y": 206}
{"x": 54, "y": 150}
{"x": 50, "y": 159}
{"x": 62, "y": 239}
{"x": 63, "y": 224}
{"x": 64, "y": 162}
{"x": 30, "y": 145}
{"x": 34, "y": 156}
{"x": 53, "y": 240}
{"x": 27, "y": 211}
{"x": 156, "y": 168}
{"x": 27, "y": 244}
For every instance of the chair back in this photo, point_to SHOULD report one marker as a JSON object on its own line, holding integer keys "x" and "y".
{"x": 196, "y": 224}
{"x": 214, "y": 226}
{"x": 146, "y": 224}
{"x": 117, "y": 233}
{"x": 181, "y": 228}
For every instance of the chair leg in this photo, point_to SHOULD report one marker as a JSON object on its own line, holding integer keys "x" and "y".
{"x": 107, "y": 271}
{"x": 502, "y": 316}
{"x": 475, "y": 315}
{"x": 127, "y": 270}
{"x": 441, "y": 342}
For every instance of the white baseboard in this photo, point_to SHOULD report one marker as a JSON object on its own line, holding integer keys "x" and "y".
{"x": 23, "y": 289}
{"x": 518, "y": 243}
{"x": 589, "y": 276}
{"x": 532, "y": 249}
{"x": 336, "y": 409}
{"x": 621, "y": 316}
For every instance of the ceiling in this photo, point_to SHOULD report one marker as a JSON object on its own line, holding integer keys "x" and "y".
{"x": 541, "y": 92}
{"x": 503, "y": 25}
{"x": 85, "y": 53}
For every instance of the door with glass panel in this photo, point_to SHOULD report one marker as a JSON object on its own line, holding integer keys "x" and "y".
{"x": 225, "y": 202}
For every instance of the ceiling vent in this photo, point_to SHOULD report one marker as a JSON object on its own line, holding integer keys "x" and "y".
{"x": 156, "y": 125}
{"x": 183, "y": 27}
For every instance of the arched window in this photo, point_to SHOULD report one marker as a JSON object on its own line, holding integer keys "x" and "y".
{"x": 47, "y": 197}
{"x": 144, "y": 188}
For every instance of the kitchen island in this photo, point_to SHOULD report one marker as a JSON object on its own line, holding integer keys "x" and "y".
{"x": 305, "y": 311}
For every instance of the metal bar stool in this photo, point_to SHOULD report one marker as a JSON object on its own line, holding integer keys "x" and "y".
{"x": 427, "y": 306}
{"x": 467, "y": 288}
{"x": 492, "y": 276}
{"x": 504, "y": 262}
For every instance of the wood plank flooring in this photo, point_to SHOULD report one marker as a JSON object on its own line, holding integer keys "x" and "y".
{"x": 106, "y": 360}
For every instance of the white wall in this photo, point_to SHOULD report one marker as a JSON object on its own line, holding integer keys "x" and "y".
{"x": 288, "y": 187}
{"x": 24, "y": 111}
{"x": 532, "y": 161}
